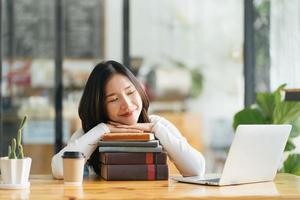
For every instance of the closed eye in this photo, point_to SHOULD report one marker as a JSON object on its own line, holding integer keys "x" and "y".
{"x": 131, "y": 92}
{"x": 113, "y": 99}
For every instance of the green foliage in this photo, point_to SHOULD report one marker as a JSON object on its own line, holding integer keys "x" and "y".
{"x": 270, "y": 108}
{"x": 286, "y": 112}
{"x": 296, "y": 128}
{"x": 248, "y": 116}
{"x": 196, "y": 75}
{"x": 9, "y": 151}
{"x": 20, "y": 154}
{"x": 23, "y": 122}
{"x": 289, "y": 145}
{"x": 12, "y": 154}
{"x": 20, "y": 147}
{"x": 197, "y": 80}
{"x": 17, "y": 143}
{"x": 266, "y": 103}
{"x": 292, "y": 164}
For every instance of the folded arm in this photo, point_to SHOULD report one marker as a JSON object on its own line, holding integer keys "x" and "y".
{"x": 85, "y": 143}
{"x": 187, "y": 160}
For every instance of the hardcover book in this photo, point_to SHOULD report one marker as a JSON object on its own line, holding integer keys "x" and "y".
{"x": 128, "y": 137}
{"x": 130, "y": 149}
{"x": 151, "y": 143}
{"x": 133, "y": 158}
{"x": 135, "y": 172}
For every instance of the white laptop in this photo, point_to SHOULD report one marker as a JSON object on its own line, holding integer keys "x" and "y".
{"x": 254, "y": 156}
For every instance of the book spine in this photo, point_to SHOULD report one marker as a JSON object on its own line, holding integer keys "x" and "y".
{"x": 153, "y": 143}
{"x": 130, "y": 149}
{"x": 127, "y": 137}
{"x": 134, "y": 172}
{"x": 133, "y": 158}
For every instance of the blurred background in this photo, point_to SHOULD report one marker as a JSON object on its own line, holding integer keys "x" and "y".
{"x": 201, "y": 61}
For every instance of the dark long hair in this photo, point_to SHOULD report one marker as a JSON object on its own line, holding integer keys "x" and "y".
{"x": 92, "y": 104}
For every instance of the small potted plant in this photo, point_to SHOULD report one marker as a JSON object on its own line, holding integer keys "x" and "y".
{"x": 15, "y": 168}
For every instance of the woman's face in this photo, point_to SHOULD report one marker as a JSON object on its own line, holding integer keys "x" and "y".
{"x": 123, "y": 103}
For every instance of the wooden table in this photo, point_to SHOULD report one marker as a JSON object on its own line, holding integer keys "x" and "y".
{"x": 43, "y": 187}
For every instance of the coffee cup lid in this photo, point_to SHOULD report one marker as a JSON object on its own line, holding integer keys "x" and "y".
{"x": 73, "y": 154}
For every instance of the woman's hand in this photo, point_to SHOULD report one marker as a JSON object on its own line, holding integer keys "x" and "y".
{"x": 144, "y": 127}
{"x": 115, "y": 129}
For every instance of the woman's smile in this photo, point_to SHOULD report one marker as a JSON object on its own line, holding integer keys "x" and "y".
{"x": 127, "y": 114}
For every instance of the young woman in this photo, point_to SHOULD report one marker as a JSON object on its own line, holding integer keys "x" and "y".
{"x": 114, "y": 101}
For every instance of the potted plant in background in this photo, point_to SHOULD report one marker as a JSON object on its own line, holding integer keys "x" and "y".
{"x": 15, "y": 168}
{"x": 270, "y": 108}
{"x": 196, "y": 77}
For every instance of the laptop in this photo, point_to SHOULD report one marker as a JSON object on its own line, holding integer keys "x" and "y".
{"x": 254, "y": 156}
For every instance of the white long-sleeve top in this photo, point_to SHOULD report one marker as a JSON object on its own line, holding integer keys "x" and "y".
{"x": 187, "y": 160}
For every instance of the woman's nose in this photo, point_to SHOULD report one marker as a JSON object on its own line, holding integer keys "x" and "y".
{"x": 126, "y": 102}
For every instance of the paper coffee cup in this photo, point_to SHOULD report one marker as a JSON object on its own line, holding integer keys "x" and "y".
{"x": 73, "y": 164}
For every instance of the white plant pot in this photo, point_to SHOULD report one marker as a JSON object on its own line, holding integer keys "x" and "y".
{"x": 15, "y": 171}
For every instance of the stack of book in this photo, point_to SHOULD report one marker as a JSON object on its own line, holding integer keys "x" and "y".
{"x": 132, "y": 156}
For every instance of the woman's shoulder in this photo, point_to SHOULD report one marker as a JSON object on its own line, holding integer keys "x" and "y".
{"x": 77, "y": 134}
{"x": 154, "y": 118}
{"x": 157, "y": 118}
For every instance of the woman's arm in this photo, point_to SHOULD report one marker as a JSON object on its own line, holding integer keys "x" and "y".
{"x": 85, "y": 143}
{"x": 187, "y": 160}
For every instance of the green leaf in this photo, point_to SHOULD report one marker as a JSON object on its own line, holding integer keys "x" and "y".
{"x": 9, "y": 152}
{"x": 13, "y": 149}
{"x": 266, "y": 103}
{"x": 286, "y": 112}
{"x": 248, "y": 116}
{"x": 292, "y": 164}
{"x": 23, "y": 122}
{"x": 277, "y": 94}
{"x": 197, "y": 82}
{"x": 289, "y": 145}
{"x": 295, "y": 129}
{"x": 20, "y": 154}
